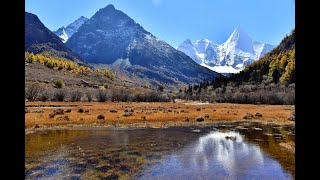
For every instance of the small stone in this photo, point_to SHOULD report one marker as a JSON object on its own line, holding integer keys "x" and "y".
{"x": 231, "y": 138}
{"x": 113, "y": 111}
{"x": 128, "y": 114}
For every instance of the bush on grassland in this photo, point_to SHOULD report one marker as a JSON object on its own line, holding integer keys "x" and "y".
{"x": 89, "y": 96}
{"x": 101, "y": 95}
{"x": 44, "y": 95}
{"x": 60, "y": 95}
{"x": 32, "y": 92}
{"x": 75, "y": 96}
{"x": 59, "y": 83}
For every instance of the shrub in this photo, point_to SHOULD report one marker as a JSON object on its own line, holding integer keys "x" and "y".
{"x": 89, "y": 96}
{"x": 102, "y": 96}
{"x": 60, "y": 95}
{"x": 76, "y": 96}
{"x": 44, "y": 96}
{"x": 59, "y": 83}
{"x": 32, "y": 92}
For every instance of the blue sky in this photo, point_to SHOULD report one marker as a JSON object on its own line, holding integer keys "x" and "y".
{"x": 173, "y": 21}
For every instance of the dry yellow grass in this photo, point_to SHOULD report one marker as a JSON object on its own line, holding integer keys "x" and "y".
{"x": 156, "y": 114}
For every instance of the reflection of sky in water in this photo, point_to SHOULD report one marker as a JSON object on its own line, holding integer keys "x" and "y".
{"x": 214, "y": 156}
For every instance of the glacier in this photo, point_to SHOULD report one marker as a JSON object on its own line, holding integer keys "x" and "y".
{"x": 232, "y": 56}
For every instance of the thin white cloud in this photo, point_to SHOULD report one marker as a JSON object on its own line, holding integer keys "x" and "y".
{"x": 157, "y": 3}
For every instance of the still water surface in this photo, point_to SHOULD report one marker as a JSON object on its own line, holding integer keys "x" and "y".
{"x": 157, "y": 154}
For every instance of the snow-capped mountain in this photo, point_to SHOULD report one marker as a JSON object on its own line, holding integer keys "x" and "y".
{"x": 110, "y": 37}
{"x": 66, "y": 32}
{"x": 229, "y": 57}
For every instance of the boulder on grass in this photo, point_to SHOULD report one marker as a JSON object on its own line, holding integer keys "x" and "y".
{"x": 51, "y": 115}
{"x": 101, "y": 116}
{"x": 292, "y": 117}
{"x": 58, "y": 111}
{"x": 128, "y": 110}
{"x": 200, "y": 119}
{"x": 258, "y": 114}
{"x": 248, "y": 116}
{"x": 80, "y": 110}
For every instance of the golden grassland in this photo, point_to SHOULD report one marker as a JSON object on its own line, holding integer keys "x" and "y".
{"x": 155, "y": 114}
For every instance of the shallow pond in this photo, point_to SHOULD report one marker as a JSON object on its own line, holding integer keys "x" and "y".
{"x": 220, "y": 152}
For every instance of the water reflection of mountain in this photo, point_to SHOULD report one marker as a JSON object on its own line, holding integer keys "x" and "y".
{"x": 219, "y": 155}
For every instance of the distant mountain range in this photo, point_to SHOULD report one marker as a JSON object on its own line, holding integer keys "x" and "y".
{"x": 229, "y": 57}
{"x": 278, "y": 65}
{"x": 112, "y": 38}
{"x": 66, "y": 32}
{"x": 40, "y": 40}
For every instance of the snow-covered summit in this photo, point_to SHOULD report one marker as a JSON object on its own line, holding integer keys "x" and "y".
{"x": 66, "y": 32}
{"x": 233, "y": 55}
{"x": 239, "y": 39}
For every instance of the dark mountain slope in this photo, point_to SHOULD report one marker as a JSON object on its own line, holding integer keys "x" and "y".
{"x": 40, "y": 40}
{"x": 112, "y": 38}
